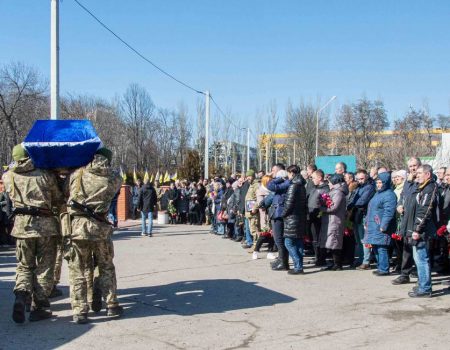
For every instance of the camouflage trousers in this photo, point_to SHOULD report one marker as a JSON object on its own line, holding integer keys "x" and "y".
{"x": 80, "y": 255}
{"x": 253, "y": 223}
{"x": 58, "y": 261}
{"x": 36, "y": 262}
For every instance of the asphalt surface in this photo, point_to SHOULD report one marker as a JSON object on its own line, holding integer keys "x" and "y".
{"x": 187, "y": 289}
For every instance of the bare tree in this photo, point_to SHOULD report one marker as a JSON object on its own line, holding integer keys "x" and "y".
{"x": 137, "y": 111}
{"x": 23, "y": 99}
{"x": 361, "y": 124}
{"x": 301, "y": 122}
{"x": 184, "y": 132}
{"x": 443, "y": 121}
{"x": 105, "y": 118}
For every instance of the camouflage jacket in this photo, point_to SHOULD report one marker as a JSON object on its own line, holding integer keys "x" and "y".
{"x": 94, "y": 186}
{"x": 31, "y": 187}
{"x": 251, "y": 196}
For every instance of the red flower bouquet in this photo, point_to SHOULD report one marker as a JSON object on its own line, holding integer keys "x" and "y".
{"x": 325, "y": 200}
{"x": 396, "y": 237}
{"x": 442, "y": 231}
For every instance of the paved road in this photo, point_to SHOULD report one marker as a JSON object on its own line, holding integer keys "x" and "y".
{"x": 187, "y": 289}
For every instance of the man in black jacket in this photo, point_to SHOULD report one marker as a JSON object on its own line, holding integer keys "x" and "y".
{"x": 405, "y": 203}
{"x": 420, "y": 226}
{"x": 294, "y": 217}
{"x": 320, "y": 187}
{"x": 147, "y": 202}
{"x": 359, "y": 204}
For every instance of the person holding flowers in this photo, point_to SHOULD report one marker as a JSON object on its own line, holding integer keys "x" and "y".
{"x": 334, "y": 209}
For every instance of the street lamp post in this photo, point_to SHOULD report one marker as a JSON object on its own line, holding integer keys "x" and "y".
{"x": 54, "y": 60}
{"x": 317, "y": 123}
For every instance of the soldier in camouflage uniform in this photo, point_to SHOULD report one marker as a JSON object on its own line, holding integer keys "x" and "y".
{"x": 92, "y": 186}
{"x": 252, "y": 215}
{"x": 36, "y": 200}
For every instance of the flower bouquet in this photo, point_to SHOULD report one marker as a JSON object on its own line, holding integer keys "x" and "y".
{"x": 396, "y": 237}
{"x": 442, "y": 231}
{"x": 172, "y": 210}
{"x": 325, "y": 201}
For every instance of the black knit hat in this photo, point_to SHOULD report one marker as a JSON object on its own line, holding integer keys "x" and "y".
{"x": 336, "y": 179}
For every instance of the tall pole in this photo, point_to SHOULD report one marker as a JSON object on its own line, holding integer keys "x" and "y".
{"x": 317, "y": 133}
{"x": 294, "y": 150}
{"x": 248, "y": 149}
{"x": 206, "y": 174}
{"x": 317, "y": 123}
{"x": 260, "y": 158}
{"x": 54, "y": 60}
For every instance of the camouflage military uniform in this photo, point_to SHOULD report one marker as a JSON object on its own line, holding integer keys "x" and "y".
{"x": 58, "y": 262}
{"x": 253, "y": 219}
{"x": 94, "y": 186}
{"x": 36, "y": 235}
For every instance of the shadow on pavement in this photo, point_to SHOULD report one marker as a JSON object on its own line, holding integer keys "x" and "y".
{"x": 188, "y": 298}
{"x": 136, "y": 233}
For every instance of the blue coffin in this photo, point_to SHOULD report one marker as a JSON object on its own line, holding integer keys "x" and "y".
{"x": 62, "y": 143}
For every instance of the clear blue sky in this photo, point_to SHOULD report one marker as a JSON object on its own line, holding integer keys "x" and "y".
{"x": 245, "y": 52}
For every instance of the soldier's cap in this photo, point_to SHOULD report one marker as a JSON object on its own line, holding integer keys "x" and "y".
{"x": 105, "y": 152}
{"x": 19, "y": 152}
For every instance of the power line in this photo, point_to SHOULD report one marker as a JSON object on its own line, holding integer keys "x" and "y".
{"x": 156, "y": 66}
{"x": 223, "y": 113}
{"x": 229, "y": 119}
{"x": 135, "y": 50}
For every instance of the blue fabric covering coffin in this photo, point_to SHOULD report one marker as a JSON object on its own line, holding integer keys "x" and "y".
{"x": 62, "y": 143}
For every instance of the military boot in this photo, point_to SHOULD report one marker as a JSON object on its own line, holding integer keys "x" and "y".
{"x": 80, "y": 318}
{"x": 55, "y": 292}
{"x": 28, "y": 303}
{"x": 96, "y": 304}
{"x": 39, "y": 315}
{"x": 39, "y": 312}
{"x": 19, "y": 306}
{"x": 115, "y": 311}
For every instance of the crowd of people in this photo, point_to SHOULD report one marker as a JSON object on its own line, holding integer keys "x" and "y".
{"x": 396, "y": 219}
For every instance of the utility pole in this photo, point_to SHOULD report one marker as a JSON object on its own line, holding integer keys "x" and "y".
{"x": 54, "y": 60}
{"x": 206, "y": 174}
{"x": 317, "y": 123}
{"x": 248, "y": 149}
{"x": 260, "y": 158}
{"x": 295, "y": 144}
{"x": 267, "y": 156}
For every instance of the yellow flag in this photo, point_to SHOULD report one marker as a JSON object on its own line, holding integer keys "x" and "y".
{"x": 174, "y": 177}
{"x": 146, "y": 176}
{"x": 123, "y": 175}
{"x": 157, "y": 177}
{"x": 161, "y": 179}
{"x": 151, "y": 178}
{"x": 135, "y": 178}
{"x": 166, "y": 177}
